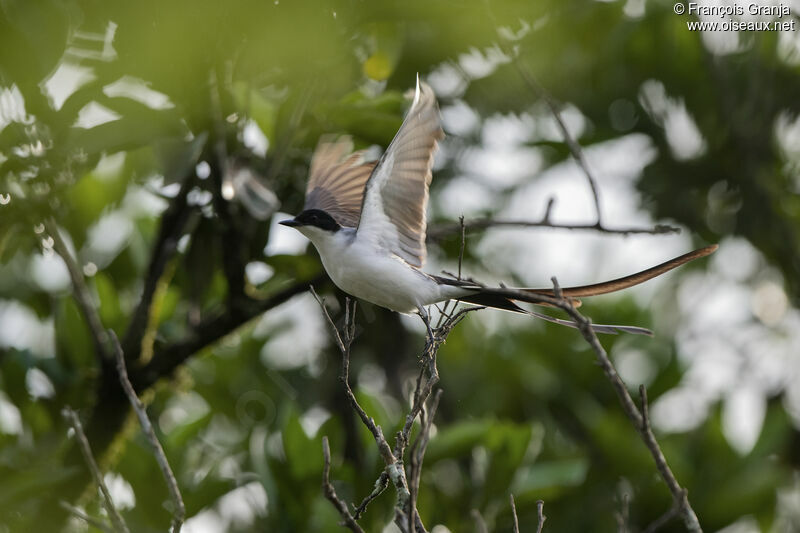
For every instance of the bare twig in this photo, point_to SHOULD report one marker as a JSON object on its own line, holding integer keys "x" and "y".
{"x": 442, "y": 230}
{"x": 540, "y": 517}
{"x": 179, "y": 511}
{"x": 330, "y": 493}
{"x": 571, "y": 143}
{"x": 540, "y": 92}
{"x": 406, "y": 516}
{"x": 463, "y": 243}
{"x": 380, "y": 485}
{"x": 394, "y": 468}
{"x": 343, "y": 341}
{"x": 640, "y": 420}
{"x": 94, "y": 522}
{"x": 418, "y": 450}
{"x": 515, "y": 523}
{"x": 662, "y": 520}
{"x": 421, "y": 394}
{"x": 80, "y": 291}
{"x": 116, "y": 519}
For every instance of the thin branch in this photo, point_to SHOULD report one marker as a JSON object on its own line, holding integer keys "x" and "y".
{"x": 463, "y": 244}
{"x": 116, "y": 519}
{"x": 440, "y": 231}
{"x": 336, "y": 336}
{"x": 330, "y": 492}
{"x": 540, "y": 517}
{"x": 639, "y": 420}
{"x": 572, "y": 144}
{"x": 394, "y": 470}
{"x": 418, "y": 451}
{"x": 540, "y": 92}
{"x": 179, "y": 511}
{"x": 380, "y": 485}
{"x": 90, "y": 520}
{"x": 515, "y": 523}
{"x": 344, "y": 341}
{"x": 421, "y": 394}
{"x": 80, "y": 291}
{"x": 211, "y": 329}
{"x": 662, "y": 520}
{"x": 171, "y": 227}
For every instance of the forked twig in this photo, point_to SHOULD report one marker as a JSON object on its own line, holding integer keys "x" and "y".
{"x": 73, "y": 420}
{"x": 540, "y": 517}
{"x": 90, "y": 520}
{"x": 639, "y": 419}
{"x": 330, "y": 492}
{"x": 439, "y": 231}
{"x": 406, "y": 485}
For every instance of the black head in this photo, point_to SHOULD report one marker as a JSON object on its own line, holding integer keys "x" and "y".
{"x": 314, "y": 217}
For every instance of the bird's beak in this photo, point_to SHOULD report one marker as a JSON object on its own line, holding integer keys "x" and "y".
{"x": 292, "y": 223}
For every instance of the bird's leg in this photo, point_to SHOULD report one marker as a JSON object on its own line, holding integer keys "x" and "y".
{"x": 425, "y": 318}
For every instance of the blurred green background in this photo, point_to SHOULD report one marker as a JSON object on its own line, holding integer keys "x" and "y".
{"x": 140, "y": 126}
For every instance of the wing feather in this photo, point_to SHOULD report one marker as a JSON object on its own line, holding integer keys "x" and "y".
{"x": 396, "y": 194}
{"x": 337, "y": 180}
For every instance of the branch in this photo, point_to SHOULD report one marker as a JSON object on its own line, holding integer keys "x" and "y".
{"x": 515, "y": 523}
{"x": 179, "y": 513}
{"x": 640, "y": 420}
{"x": 343, "y": 341}
{"x": 80, "y": 292}
{"x": 439, "y": 231}
{"x": 116, "y": 519}
{"x": 102, "y": 526}
{"x": 418, "y": 450}
{"x": 330, "y": 492}
{"x": 380, "y": 485}
{"x": 211, "y": 329}
{"x": 662, "y": 520}
{"x": 540, "y": 516}
{"x": 540, "y": 92}
{"x": 170, "y": 230}
{"x": 394, "y": 470}
{"x": 571, "y": 143}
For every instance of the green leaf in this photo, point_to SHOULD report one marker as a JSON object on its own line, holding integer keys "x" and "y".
{"x": 72, "y": 335}
{"x": 303, "y": 454}
{"x": 255, "y": 104}
{"x": 458, "y": 439}
{"x": 374, "y": 120}
{"x": 543, "y": 475}
{"x": 179, "y": 157}
{"x": 388, "y": 42}
{"x": 110, "y": 311}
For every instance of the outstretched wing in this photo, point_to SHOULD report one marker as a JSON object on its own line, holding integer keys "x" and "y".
{"x": 337, "y": 179}
{"x": 396, "y": 195}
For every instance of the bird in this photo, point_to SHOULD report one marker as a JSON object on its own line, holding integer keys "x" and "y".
{"x": 367, "y": 221}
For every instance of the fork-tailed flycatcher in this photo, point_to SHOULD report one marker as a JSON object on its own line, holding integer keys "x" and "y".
{"x": 367, "y": 221}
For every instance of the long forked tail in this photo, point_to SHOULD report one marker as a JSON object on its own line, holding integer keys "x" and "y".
{"x": 501, "y": 298}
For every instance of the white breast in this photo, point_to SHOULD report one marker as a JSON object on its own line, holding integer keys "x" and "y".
{"x": 362, "y": 270}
